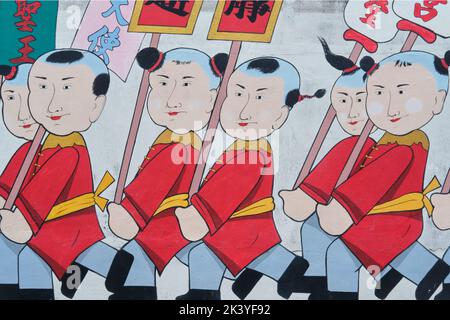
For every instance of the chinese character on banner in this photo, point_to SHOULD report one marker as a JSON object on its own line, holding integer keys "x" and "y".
{"x": 245, "y": 20}
{"x": 374, "y": 19}
{"x": 173, "y": 17}
{"x": 103, "y": 31}
{"x": 433, "y": 15}
{"x": 28, "y": 30}
{"x": 374, "y": 7}
{"x": 427, "y": 11}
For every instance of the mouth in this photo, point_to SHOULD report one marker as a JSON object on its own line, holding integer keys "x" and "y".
{"x": 393, "y": 120}
{"x": 172, "y": 114}
{"x": 243, "y": 124}
{"x": 27, "y": 126}
{"x": 55, "y": 118}
{"x": 353, "y": 123}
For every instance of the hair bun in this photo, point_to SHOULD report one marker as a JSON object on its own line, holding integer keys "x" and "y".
{"x": 447, "y": 57}
{"x": 150, "y": 59}
{"x": 9, "y": 72}
{"x": 336, "y": 61}
{"x": 320, "y": 93}
{"x": 219, "y": 64}
{"x": 367, "y": 63}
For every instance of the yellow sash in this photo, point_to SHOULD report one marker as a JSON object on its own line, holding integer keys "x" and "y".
{"x": 258, "y": 207}
{"x": 178, "y": 200}
{"x": 84, "y": 201}
{"x": 409, "y": 202}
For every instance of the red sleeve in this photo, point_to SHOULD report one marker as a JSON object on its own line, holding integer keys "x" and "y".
{"x": 362, "y": 191}
{"x": 221, "y": 196}
{"x": 12, "y": 170}
{"x": 151, "y": 186}
{"x": 320, "y": 183}
{"x": 38, "y": 197}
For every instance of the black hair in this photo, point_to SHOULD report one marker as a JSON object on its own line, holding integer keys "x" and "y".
{"x": 294, "y": 96}
{"x": 440, "y": 68}
{"x": 264, "y": 65}
{"x": 336, "y": 61}
{"x": 101, "y": 81}
{"x": 65, "y": 56}
{"x": 220, "y": 62}
{"x": 148, "y": 58}
{"x": 6, "y": 70}
{"x": 367, "y": 63}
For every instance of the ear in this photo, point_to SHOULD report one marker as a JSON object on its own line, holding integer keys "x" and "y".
{"x": 99, "y": 104}
{"x": 284, "y": 114}
{"x": 213, "y": 96}
{"x": 439, "y": 102}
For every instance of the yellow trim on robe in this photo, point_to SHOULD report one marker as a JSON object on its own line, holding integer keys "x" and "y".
{"x": 259, "y": 207}
{"x": 84, "y": 201}
{"x": 414, "y": 137}
{"x": 52, "y": 141}
{"x": 188, "y": 139}
{"x": 251, "y": 145}
{"x": 409, "y": 202}
{"x": 178, "y": 200}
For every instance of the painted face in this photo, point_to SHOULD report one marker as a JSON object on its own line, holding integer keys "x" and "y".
{"x": 180, "y": 97}
{"x": 16, "y": 114}
{"x": 350, "y": 106}
{"x": 61, "y": 97}
{"x": 403, "y": 99}
{"x": 254, "y": 107}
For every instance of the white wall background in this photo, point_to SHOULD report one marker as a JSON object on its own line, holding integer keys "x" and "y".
{"x": 295, "y": 39}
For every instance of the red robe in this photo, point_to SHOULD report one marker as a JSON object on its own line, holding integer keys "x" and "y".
{"x": 12, "y": 170}
{"x": 61, "y": 171}
{"x": 159, "y": 178}
{"x": 395, "y": 168}
{"x": 233, "y": 183}
{"x": 320, "y": 183}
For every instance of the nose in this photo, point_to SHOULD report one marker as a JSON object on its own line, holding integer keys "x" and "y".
{"x": 353, "y": 112}
{"x": 24, "y": 112}
{"x": 394, "y": 107}
{"x": 175, "y": 99}
{"x": 245, "y": 113}
{"x": 54, "y": 107}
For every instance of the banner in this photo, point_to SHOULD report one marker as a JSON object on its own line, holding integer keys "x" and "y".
{"x": 103, "y": 31}
{"x": 28, "y": 30}
{"x": 245, "y": 20}
{"x": 433, "y": 15}
{"x": 375, "y": 19}
{"x": 173, "y": 17}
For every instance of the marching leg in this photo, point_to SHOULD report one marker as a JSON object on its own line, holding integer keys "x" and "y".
{"x": 445, "y": 293}
{"x": 9, "y": 272}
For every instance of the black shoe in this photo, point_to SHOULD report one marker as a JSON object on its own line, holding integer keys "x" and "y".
{"x": 68, "y": 288}
{"x": 310, "y": 284}
{"x": 245, "y": 283}
{"x": 9, "y": 291}
{"x": 135, "y": 293}
{"x": 36, "y": 294}
{"x": 342, "y": 295}
{"x": 387, "y": 283}
{"x": 288, "y": 282}
{"x": 319, "y": 294}
{"x": 118, "y": 271}
{"x": 199, "y": 294}
{"x": 444, "y": 294}
{"x": 433, "y": 279}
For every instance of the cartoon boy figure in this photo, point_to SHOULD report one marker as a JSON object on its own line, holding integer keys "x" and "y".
{"x": 233, "y": 210}
{"x": 377, "y": 212}
{"x": 183, "y": 90}
{"x": 55, "y": 210}
{"x": 18, "y": 121}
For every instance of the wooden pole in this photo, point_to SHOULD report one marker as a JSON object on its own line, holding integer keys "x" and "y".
{"x": 446, "y": 186}
{"x": 24, "y": 169}
{"x": 214, "y": 121}
{"x": 134, "y": 128}
{"x": 323, "y": 130}
{"x": 409, "y": 43}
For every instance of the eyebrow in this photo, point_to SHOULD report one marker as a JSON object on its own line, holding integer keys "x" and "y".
{"x": 43, "y": 78}
{"x": 261, "y": 89}
{"x": 361, "y": 92}
{"x": 379, "y": 86}
{"x": 188, "y": 77}
{"x": 162, "y": 75}
{"x": 239, "y": 85}
{"x": 67, "y": 78}
{"x": 345, "y": 94}
{"x": 403, "y": 85}
{"x": 12, "y": 91}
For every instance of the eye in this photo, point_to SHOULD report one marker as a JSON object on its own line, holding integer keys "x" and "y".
{"x": 10, "y": 98}
{"x": 378, "y": 92}
{"x": 67, "y": 87}
{"x": 186, "y": 84}
{"x": 343, "y": 101}
{"x": 359, "y": 100}
{"x": 238, "y": 94}
{"x": 401, "y": 91}
{"x": 164, "y": 84}
{"x": 42, "y": 86}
